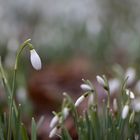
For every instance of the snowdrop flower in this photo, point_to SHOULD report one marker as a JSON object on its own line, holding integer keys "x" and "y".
{"x": 35, "y": 59}
{"x": 80, "y": 99}
{"x": 54, "y": 121}
{"x": 114, "y": 85}
{"x": 125, "y": 111}
{"x": 100, "y": 80}
{"x": 65, "y": 112}
{"x": 131, "y": 74}
{"x": 115, "y": 105}
{"x": 136, "y": 105}
{"x": 53, "y": 132}
{"x": 85, "y": 87}
{"x": 130, "y": 94}
{"x": 21, "y": 94}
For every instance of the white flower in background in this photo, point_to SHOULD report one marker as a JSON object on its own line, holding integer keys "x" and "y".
{"x": 115, "y": 105}
{"x": 125, "y": 111}
{"x": 53, "y": 132}
{"x": 136, "y": 105}
{"x": 54, "y": 121}
{"x": 100, "y": 80}
{"x": 85, "y": 87}
{"x": 66, "y": 112}
{"x": 130, "y": 93}
{"x": 114, "y": 85}
{"x": 137, "y": 87}
{"x": 21, "y": 94}
{"x": 35, "y": 60}
{"x": 131, "y": 74}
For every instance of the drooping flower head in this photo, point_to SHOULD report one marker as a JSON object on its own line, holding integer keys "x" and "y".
{"x": 35, "y": 59}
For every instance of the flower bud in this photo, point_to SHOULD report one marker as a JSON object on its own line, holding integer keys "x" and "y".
{"x": 100, "y": 80}
{"x": 131, "y": 74}
{"x": 130, "y": 94}
{"x": 85, "y": 87}
{"x": 35, "y": 59}
{"x": 54, "y": 121}
{"x": 65, "y": 112}
{"x": 53, "y": 132}
{"x": 79, "y": 100}
{"x": 125, "y": 111}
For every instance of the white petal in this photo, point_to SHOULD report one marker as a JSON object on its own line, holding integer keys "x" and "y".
{"x": 53, "y": 132}
{"x": 79, "y": 100}
{"x": 66, "y": 112}
{"x": 85, "y": 87}
{"x": 35, "y": 59}
{"x": 136, "y": 105}
{"x": 100, "y": 80}
{"x": 125, "y": 111}
{"x": 131, "y": 74}
{"x": 54, "y": 121}
{"x": 114, "y": 85}
{"x": 130, "y": 93}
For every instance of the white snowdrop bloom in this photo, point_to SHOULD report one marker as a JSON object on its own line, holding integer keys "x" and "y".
{"x": 21, "y": 94}
{"x": 66, "y": 112}
{"x": 136, "y": 105}
{"x": 100, "y": 80}
{"x": 79, "y": 100}
{"x": 125, "y": 111}
{"x": 85, "y": 87}
{"x": 35, "y": 60}
{"x": 130, "y": 93}
{"x": 54, "y": 121}
{"x": 137, "y": 87}
{"x": 115, "y": 105}
{"x": 114, "y": 85}
{"x": 131, "y": 74}
{"x": 53, "y": 132}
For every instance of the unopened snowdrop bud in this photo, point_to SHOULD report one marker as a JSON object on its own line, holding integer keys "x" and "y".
{"x": 66, "y": 112}
{"x": 53, "y": 132}
{"x": 85, "y": 87}
{"x": 35, "y": 59}
{"x": 54, "y": 121}
{"x": 125, "y": 111}
{"x": 131, "y": 74}
{"x": 130, "y": 94}
{"x": 80, "y": 99}
{"x": 115, "y": 105}
{"x": 100, "y": 80}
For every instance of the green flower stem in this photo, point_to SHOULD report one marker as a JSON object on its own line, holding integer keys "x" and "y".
{"x": 13, "y": 85}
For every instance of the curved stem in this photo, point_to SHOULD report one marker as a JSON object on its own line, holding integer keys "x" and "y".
{"x": 13, "y": 86}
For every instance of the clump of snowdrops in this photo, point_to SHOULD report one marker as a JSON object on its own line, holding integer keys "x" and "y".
{"x": 11, "y": 125}
{"x": 113, "y": 119}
